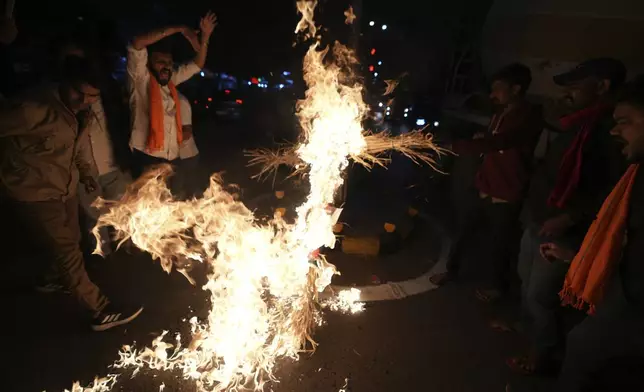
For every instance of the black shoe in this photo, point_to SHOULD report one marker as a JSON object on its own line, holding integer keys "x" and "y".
{"x": 51, "y": 288}
{"x": 112, "y": 316}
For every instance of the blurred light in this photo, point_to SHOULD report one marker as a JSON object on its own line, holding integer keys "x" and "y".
{"x": 209, "y": 99}
{"x": 207, "y": 106}
{"x": 379, "y": 62}
{"x": 420, "y": 122}
{"x": 384, "y": 27}
{"x": 436, "y": 123}
{"x": 226, "y": 92}
{"x": 196, "y": 102}
{"x": 406, "y": 110}
{"x": 371, "y": 68}
{"x": 202, "y": 73}
{"x": 254, "y": 80}
{"x": 375, "y": 74}
{"x": 286, "y": 73}
{"x": 372, "y": 23}
{"x": 380, "y": 104}
{"x": 373, "y": 51}
{"x": 388, "y": 107}
{"x": 281, "y": 85}
{"x": 239, "y": 101}
{"x": 405, "y": 115}
{"x": 249, "y": 82}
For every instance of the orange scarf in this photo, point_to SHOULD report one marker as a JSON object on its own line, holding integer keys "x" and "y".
{"x": 601, "y": 250}
{"x": 157, "y": 114}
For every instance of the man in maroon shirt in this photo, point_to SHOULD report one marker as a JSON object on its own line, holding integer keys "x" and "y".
{"x": 507, "y": 150}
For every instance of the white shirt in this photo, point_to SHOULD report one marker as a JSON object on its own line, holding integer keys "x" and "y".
{"x": 138, "y": 84}
{"x": 99, "y": 138}
{"x": 188, "y": 147}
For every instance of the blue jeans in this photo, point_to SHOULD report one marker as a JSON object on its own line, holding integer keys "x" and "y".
{"x": 541, "y": 282}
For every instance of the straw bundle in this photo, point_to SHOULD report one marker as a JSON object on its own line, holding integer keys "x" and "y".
{"x": 416, "y": 145}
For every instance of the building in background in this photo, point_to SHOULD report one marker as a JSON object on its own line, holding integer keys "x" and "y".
{"x": 553, "y": 35}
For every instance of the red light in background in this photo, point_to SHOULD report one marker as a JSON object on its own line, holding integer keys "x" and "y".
{"x": 206, "y": 106}
{"x": 239, "y": 101}
{"x": 196, "y": 102}
{"x": 254, "y": 80}
{"x": 373, "y": 51}
{"x": 209, "y": 99}
{"x": 226, "y": 91}
{"x": 371, "y": 68}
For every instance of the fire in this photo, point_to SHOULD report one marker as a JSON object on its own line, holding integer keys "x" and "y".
{"x": 265, "y": 278}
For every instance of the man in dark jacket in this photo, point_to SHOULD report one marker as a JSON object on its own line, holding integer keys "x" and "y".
{"x": 606, "y": 350}
{"x": 46, "y": 154}
{"x": 503, "y": 176}
{"x": 580, "y": 168}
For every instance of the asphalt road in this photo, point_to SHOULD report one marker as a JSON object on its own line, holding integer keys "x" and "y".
{"x": 435, "y": 342}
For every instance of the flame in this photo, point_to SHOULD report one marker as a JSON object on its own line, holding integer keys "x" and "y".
{"x": 264, "y": 279}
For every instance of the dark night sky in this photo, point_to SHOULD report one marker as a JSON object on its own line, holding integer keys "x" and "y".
{"x": 253, "y": 36}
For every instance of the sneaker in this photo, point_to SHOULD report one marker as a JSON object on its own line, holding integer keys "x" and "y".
{"x": 51, "y": 288}
{"x": 112, "y": 316}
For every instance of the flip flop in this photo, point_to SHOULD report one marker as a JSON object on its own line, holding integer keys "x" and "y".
{"x": 442, "y": 278}
{"x": 488, "y": 295}
{"x": 501, "y": 326}
{"x": 521, "y": 365}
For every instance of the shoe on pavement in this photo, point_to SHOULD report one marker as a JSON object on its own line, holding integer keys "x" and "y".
{"x": 113, "y": 316}
{"x": 51, "y": 288}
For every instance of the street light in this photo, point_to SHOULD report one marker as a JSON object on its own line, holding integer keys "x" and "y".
{"x": 372, "y": 23}
{"x": 384, "y": 27}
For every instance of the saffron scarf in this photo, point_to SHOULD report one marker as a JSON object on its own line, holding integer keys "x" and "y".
{"x": 601, "y": 250}
{"x": 570, "y": 167}
{"x": 156, "y": 134}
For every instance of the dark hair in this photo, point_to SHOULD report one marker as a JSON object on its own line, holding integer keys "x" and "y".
{"x": 80, "y": 70}
{"x": 515, "y": 74}
{"x": 632, "y": 92}
{"x": 163, "y": 46}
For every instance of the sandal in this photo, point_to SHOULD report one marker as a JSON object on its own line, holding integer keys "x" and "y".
{"x": 502, "y": 326}
{"x": 442, "y": 278}
{"x": 523, "y": 365}
{"x": 488, "y": 296}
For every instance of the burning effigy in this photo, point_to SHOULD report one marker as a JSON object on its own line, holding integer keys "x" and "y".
{"x": 264, "y": 278}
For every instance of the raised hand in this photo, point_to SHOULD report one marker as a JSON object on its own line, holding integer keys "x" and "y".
{"x": 208, "y": 24}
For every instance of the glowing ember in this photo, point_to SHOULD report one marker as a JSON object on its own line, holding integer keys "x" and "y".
{"x": 264, "y": 278}
{"x": 347, "y": 301}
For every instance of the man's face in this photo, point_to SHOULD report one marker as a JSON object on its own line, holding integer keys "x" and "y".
{"x": 630, "y": 130}
{"x": 161, "y": 67}
{"x": 582, "y": 94}
{"x": 503, "y": 93}
{"x": 80, "y": 96}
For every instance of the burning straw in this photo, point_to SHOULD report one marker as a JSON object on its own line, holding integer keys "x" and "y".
{"x": 417, "y": 146}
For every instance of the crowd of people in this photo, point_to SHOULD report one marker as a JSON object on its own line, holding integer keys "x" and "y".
{"x": 580, "y": 209}
{"x": 79, "y": 136}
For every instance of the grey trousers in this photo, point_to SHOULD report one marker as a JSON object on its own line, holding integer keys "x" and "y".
{"x": 112, "y": 187}
{"x": 541, "y": 282}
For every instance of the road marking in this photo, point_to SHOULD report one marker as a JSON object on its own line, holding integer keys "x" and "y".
{"x": 406, "y": 288}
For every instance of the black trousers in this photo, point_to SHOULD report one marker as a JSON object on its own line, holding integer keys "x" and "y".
{"x": 605, "y": 352}
{"x": 501, "y": 223}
